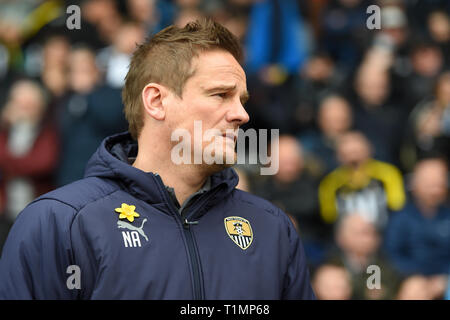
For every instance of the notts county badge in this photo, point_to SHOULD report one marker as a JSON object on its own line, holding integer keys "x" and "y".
{"x": 240, "y": 231}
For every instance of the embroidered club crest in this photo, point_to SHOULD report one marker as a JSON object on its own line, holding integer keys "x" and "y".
{"x": 240, "y": 231}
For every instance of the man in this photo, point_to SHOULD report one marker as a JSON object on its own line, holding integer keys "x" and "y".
{"x": 334, "y": 119}
{"x": 418, "y": 236}
{"x": 332, "y": 281}
{"x": 294, "y": 189}
{"x": 358, "y": 247}
{"x": 90, "y": 112}
{"x": 360, "y": 184}
{"x": 139, "y": 226}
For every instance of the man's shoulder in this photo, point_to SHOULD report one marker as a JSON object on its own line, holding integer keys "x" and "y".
{"x": 406, "y": 217}
{"x": 267, "y": 213}
{"x": 52, "y": 215}
{"x": 256, "y": 201}
{"x": 79, "y": 193}
{"x": 382, "y": 168}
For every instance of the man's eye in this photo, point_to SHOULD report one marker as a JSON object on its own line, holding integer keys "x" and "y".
{"x": 221, "y": 95}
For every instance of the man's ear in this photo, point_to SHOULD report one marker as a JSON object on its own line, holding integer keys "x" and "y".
{"x": 153, "y": 95}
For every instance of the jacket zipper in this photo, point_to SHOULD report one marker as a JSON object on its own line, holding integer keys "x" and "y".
{"x": 195, "y": 260}
{"x": 191, "y": 245}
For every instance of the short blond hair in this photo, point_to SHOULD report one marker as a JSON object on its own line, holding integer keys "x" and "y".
{"x": 166, "y": 59}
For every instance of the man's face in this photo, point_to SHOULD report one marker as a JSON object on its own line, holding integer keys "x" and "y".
{"x": 430, "y": 183}
{"x": 334, "y": 117}
{"x": 357, "y": 236}
{"x": 353, "y": 150}
{"x": 83, "y": 72}
{"x": 373, "y": 87}
{"x": 214, "y": 95}
{"x": 290, "y": 159}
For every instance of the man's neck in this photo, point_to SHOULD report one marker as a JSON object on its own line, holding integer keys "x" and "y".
{"x": 357, "y": 261}
{"x": 184, "y": 179}
{"x": 428, "y": 211}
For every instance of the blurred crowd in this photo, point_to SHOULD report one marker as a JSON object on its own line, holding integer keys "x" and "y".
{"x": 363, "y": 114}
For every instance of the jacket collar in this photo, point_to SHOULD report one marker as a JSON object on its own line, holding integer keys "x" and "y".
{"x": 113, "y": 159}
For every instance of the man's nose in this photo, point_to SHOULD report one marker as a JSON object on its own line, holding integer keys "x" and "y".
{"x": 237, "y": 114}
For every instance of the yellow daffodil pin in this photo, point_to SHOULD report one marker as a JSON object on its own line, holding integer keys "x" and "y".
{"x": 127, "y": 211}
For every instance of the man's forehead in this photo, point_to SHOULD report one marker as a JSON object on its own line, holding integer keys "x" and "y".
{"x": 219, "y": 64}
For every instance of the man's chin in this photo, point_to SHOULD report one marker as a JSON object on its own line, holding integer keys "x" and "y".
{"x": 220, "y": 165}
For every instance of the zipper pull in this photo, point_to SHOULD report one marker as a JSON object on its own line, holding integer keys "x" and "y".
{"x": 187, "y": 223}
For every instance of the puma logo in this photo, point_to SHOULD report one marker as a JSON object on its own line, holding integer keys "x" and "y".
{"x": 126, "y": 225}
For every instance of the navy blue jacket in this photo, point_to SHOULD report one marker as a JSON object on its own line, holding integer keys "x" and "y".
{"x": 417, "y": 244}
{"x": 161, "y": 254}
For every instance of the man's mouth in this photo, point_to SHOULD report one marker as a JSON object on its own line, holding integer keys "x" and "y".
{"x": 230, "y": 136}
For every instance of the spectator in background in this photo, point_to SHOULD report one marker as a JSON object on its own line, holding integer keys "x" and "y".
{"x": 374, "y": 114}
{"x": 334, "y": 118}
{"x": 357, "y": 248}
{"x": 188, "y": 3}
{"x": 317, "y": 79}
{"x": 394, "y": 24}
{"x": 90, "y": 113}
{"x": 332, "y": 282}
{"x": 429, "y": 125}
{"x": 344, "y": 33}
{"x": 143, "y": 12}
{"x": 419, "y": 11}
{"x": 276, "y": 36}
{"x": 427, "y": 62}
{"x": 418, "y": 237}
{"x": 151, "y": 15}
{"x": 29, "y": 148}
{"x": 115, "y": 59}
{"x": 414, "y": 288}
{"x": 276, "y": 49}
{"x": 104, "y": 16}
{"x": 54, "y": 65}
{"x": 360, "y": 184}
{"x": 54, "y": 69}
{"x": 236, "y": 21}
{"x": 91, "y": 12}
{"x": 394, "y": 36}
{"x": 419, "y": 287}
{"x": 438, "y": 25}
{"x": 293, "y": 189}
{"x": 19, "y": 23}
{"x": 273, "y": 100}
